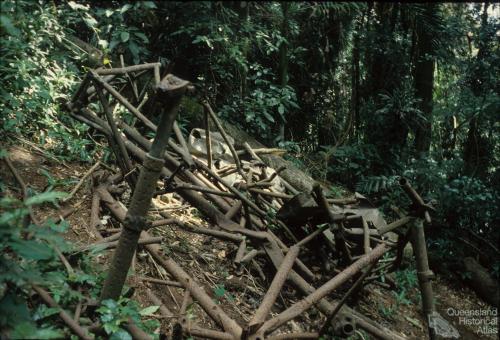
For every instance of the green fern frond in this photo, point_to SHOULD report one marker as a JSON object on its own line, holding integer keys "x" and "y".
{"x": 375, "y": 184}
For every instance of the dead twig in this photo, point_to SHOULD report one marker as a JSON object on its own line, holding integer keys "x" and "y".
{"x": 161, "y": 282}
{"x": 80, "y": 183}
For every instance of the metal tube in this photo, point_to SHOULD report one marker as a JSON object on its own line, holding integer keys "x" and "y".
{"x": 274, "y": 289}
{"x": 424, "y": 273}
{"x": 128, "y": 69}
{"x": 135, "y": 220}
{"x": 351, "y": 290}
{"x": 299, "y": 307}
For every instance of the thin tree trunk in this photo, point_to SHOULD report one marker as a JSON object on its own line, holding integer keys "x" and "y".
{"x": 283, "y": 62}
{"x": 424, "y": 81}
{"x": 355, "y": 85}
{"x": 475, "y": 152}
{"x": 243, "y": 10}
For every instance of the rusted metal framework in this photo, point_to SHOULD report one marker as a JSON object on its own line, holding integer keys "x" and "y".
{"x": 238, "y": 214}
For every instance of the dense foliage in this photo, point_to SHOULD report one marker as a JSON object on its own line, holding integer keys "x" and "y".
{"x": 359, "y": 93}
{"x": 30, "y": 257}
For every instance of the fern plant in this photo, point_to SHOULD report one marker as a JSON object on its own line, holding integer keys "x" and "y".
{"x": 376, "y": 184}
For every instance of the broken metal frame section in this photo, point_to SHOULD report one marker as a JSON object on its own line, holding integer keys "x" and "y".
{"x": 222, "y": 203}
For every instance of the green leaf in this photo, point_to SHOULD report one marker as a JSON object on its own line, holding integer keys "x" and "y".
{"x": 50, "y": 196}
{"x": 269, "y": 117}
{"x": 219, "y": 291}
{"x": 32, "y": 250}
{"x": 109, "y": 12}
{"x": 9, "y": 202}
{"x": 142, "y": 36}
{"x": 106, "y": 317}
{"x": 198, "y": 39}
{"x": 76, "y": 6}
{"x": 125, "y": 8}
{"x": 149, "y": 4}
{"x": 47, "y": 333}
{"x": 124, "y": 36}
{"x": 90, "y": 21}
{"x": 112, "y": 44}
{"x": 58, "y": 227}
{"x": 3, "y": 153}
{"x": 120, "y": 335}
{"x": 149, "y": 310}
{"x": 109, "y": 303}
{"x": 111, "y": 328}
{"x": 281, "y": 109}
{"x": 24, "y": 330}
{"x": 43, "y": 311}
{"x": 14, "y": 310}
{"x": 103, "y": 43}
{"x": 8, "y": 26}
{"x": 134, "y": 49}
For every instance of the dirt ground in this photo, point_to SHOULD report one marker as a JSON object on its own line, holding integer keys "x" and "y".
{"x": 208, "y": 260}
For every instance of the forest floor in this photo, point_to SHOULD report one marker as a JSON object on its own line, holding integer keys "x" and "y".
{"x": 208, "y": 260}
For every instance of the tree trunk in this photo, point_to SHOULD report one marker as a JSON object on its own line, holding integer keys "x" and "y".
{"x": 243, "y": 10}
{"x": 476, "y": 153}
{"x": 424, "y": 81}
{"x": 283, "y": 63}
{"x": 385, "y": 74}
{"x": 449, "y": 137}
{"x": 355, "y": 86}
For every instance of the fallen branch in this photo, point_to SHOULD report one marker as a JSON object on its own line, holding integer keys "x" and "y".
{"x": 250, "y": 255}
{"x": 161, "y": 282}
{"x": 208, "y": 333}
{"x": 114, "y": 244}
{"x": 292, "y": 336}
{"x": 80, "y": 183}
{"x": 338, "y": 231}
{"x": 157, "y": 301}
{"x": 72, "y": 324}
{"x": 240, "y": 252}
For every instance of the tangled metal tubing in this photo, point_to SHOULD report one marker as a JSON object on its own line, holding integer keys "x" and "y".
{"x": 236, "y": 212}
